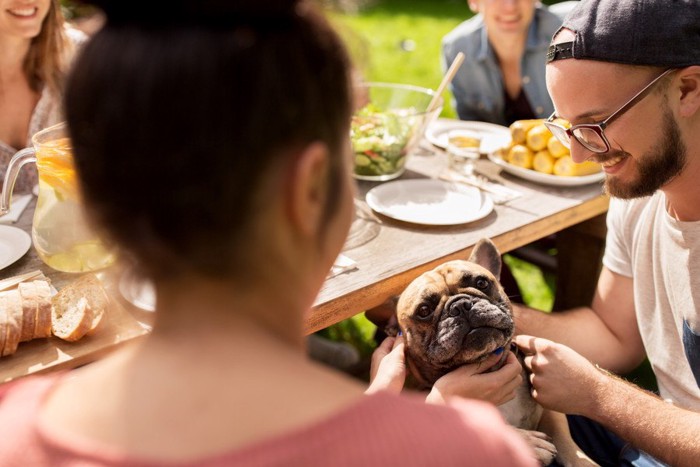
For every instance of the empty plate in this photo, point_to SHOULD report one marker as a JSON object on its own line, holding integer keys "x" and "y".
{"x": 429, "y": 202}
{"x": 14, "y": 243}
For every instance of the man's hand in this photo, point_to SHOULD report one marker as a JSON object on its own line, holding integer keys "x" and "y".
{"x": 388, "y": 367}
{"x": 470, "y": 381}
{"x": 562, "y": 380}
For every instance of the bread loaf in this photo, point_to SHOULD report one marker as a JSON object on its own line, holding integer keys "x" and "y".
{"x": 78, "y": 308}
{"x": 29, "y": 312}
{"x": 13, "y": 302}
{"x": 27, "y": 291}
{"x": 42, "y": 326}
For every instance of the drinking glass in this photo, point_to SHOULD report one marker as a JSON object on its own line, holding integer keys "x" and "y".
{"x": 462, "y": 150}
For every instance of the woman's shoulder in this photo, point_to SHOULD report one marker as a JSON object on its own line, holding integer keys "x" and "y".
{"x": 387, "y": 429}
{"x": 75, "y": 36}
{"x": 552, "y": 16}
{"x": 561, "y": 9}
{"x": 446, "y": 435}
{"x": 466, "y": 35}
{"x": 20, "y": 401}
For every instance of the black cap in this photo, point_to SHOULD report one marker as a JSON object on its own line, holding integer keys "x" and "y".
{"x": 663, "y": 33}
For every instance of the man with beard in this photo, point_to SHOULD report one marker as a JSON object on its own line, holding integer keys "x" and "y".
{"x": 626, "y": 74}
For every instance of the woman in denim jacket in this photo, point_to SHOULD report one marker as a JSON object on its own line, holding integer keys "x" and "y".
{"x": 502, "y": 77}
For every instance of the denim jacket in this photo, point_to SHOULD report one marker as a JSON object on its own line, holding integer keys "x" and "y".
{"x": 478, "y": 85}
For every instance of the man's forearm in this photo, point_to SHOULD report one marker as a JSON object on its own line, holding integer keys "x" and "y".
{"x": 582, "y": 330}
{"x": 659, "y": 428}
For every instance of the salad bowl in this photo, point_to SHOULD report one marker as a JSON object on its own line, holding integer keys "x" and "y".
{"x": 390, "y": 121}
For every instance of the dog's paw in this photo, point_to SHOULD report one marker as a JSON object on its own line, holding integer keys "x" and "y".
{"x": 545, "y": 451}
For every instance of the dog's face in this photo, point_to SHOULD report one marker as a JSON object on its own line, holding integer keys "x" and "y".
{"x": 457, "y": 313}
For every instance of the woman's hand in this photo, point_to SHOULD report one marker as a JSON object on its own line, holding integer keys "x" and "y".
{"x": 388, "y": 368}
{"x": 470, "y": 381}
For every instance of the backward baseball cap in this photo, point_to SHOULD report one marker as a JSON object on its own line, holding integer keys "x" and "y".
{"x": 663, "y": 33}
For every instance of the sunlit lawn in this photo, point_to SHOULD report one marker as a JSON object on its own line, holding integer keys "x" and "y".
{"x": 399, "y": 40}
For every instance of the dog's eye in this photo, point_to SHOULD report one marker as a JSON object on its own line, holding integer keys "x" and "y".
{"x": 424, "y": 312}
{"x": 482, "y": 284}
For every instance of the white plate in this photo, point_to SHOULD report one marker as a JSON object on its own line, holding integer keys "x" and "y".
{"x": 429, "y": 202}
{"x": 546, "y": 179}
{"x": 493, "y": 136}
{"x": 14, "y": 243}
{"x": 139, "y": 292}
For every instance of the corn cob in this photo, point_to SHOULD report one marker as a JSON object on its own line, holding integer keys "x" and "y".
{"x": 556, "y": 149}
{"x": 565, "y": 166}
{"x": 562, "y": 122}
{"x": 519, "y": 129}
{"x": 521, "y": 156}
{"x": 543, "y": 162}
{"x": 537, "y": 137}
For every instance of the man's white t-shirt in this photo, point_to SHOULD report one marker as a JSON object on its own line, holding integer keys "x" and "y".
{"x": 662, "y": 255}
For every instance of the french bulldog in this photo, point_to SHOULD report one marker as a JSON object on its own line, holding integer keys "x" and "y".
{"x": 457, "y": 314}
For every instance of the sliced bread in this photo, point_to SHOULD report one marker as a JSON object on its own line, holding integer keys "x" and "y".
{"x": 27, "y": 291}
{"x": 78, "y": 308}
{"x": 15, "y": 315}
{"x": 74, "y": 321}
{"x": 42, "y": 326}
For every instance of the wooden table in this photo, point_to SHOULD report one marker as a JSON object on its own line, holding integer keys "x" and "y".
{"x": 389, "y": 254}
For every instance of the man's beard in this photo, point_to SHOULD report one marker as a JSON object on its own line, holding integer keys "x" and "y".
{"x": 656, "y": 167}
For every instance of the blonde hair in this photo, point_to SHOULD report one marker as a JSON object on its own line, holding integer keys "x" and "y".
{"x": 45, "y": 63}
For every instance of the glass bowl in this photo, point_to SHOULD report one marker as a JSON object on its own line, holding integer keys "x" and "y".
{"x": 390, "y": 121}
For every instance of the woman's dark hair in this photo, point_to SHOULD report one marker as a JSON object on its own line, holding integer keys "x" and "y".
{"x": 177, "y": 120}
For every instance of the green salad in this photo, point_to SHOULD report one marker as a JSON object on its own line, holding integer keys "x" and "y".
{"x": 379, "y": 140}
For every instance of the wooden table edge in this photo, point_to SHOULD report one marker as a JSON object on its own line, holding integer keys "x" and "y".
{"x": 343, "y": 307}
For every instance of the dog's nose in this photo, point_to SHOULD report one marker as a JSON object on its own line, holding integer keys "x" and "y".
{"x": 458, "y": 305}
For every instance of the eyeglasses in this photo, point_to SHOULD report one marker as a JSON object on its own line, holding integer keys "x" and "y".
{"x": 591, "y": 135}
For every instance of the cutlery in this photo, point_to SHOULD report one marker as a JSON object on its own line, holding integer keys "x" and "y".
{"x": 500, "y": 193}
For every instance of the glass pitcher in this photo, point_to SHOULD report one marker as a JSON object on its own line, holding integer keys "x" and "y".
{"x": 60, "y": 233}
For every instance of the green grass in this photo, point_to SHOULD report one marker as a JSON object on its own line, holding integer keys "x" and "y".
{"x": 536, "y": 286}
{"x": 374, "y": 37}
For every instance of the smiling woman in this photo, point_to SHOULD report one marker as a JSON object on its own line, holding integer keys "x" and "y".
{"x": 35, "y": 51}
{"x": 502, "y": 79}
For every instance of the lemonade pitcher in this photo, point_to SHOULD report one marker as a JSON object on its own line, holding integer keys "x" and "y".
{"x": 60, "y": 233}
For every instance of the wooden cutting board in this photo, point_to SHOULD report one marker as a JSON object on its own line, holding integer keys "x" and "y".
{"x": 120, "y": 327}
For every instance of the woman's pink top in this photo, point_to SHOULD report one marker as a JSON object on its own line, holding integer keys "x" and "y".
{"x": 379, "y": 430}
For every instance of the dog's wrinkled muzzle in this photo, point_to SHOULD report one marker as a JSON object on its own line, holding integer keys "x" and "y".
{"x": 459, "y": 305}
{"x": 476, "y": 311}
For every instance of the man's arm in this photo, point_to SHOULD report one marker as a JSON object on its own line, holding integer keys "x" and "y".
{"x": 566, "y": 382}
{"x": 606, "y": 333}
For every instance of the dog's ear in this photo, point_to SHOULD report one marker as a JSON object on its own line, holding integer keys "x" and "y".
{"x": 392, "y": 327}
{"x": 486, "y": 255}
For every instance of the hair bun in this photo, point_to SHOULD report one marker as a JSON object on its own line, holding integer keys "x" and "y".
{"x": 224, "y": 13}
